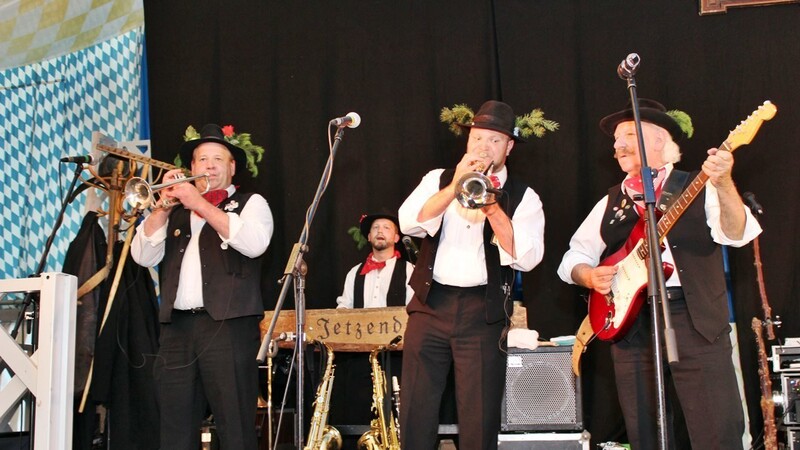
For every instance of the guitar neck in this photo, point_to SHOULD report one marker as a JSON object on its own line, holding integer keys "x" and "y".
{"x": 682, "y": 203}
{"x": 741, "y": 135}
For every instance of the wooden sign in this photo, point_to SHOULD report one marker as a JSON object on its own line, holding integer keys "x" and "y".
{"x": 356, "y": 330}
{"x": 721, "y": 6}
{"x": 345, "y": 330}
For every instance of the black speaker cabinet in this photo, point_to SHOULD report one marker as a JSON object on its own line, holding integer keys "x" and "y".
{"x": 541, "y": 392}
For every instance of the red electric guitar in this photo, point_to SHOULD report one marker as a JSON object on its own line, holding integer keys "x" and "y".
{"x": 613, "y": 314}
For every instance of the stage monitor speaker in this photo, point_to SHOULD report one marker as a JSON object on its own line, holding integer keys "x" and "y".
{"x": 541, "y": 392}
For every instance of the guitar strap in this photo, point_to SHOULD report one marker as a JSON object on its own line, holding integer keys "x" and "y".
{"x": 584, "y": 335}
{"x": 672, "y": 190}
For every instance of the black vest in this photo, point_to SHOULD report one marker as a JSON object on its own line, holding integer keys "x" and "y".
{"x": 396, "y": 296}
{"x": 698, "y": 259}
{"x": 500, "y": 278}
{"x": 231, "y": 281}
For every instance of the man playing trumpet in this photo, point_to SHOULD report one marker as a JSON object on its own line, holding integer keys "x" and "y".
{"x": 462, "y": 280}
{"x": 209, "y": 255}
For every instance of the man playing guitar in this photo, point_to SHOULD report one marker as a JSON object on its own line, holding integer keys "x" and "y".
{"x": 704, "y": 378}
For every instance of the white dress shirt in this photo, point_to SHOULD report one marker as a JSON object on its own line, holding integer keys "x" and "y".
{"x": 460, "y": 258}
{"x": 249, "y": 233}
{"x": 587, "y": 247}
{"x": 376, "y": 285}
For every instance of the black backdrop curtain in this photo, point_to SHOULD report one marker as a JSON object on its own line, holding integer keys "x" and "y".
{"x": 281, "y": 70}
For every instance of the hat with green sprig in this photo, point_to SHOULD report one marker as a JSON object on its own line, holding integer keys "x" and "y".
{"x": 245, "y": 153}
{"x": 498, "y": 116}
{"x": 675, "y": 121}
{"x": 361, "y": 232}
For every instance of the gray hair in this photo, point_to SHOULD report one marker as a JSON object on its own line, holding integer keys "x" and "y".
{"x": 672, "y": 152}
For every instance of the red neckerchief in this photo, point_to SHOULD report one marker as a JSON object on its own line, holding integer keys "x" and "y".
{"x": 370, "y": 264}
{"x": 634, "y": 187}
{"x": 214, "y": 197}
{"x": 495, "y": 181}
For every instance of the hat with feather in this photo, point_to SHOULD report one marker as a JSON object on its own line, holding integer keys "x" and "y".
{"x": 676, "y": 122}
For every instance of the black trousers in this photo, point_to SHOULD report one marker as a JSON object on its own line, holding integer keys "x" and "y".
{"x": 206, "y": 363}
{"x": 704, "y": 379}
{"x": 451, "y": 329}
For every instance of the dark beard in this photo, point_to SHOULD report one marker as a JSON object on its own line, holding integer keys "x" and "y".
{"x": 381, "y": 245}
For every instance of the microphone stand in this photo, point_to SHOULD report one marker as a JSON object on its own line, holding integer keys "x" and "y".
{"x": 295, "y": 273}
{"x": 656, "y": 283}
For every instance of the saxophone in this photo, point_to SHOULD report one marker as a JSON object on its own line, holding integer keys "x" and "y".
{"x": 384, "y": 433}
{"x": 322, "y": 436}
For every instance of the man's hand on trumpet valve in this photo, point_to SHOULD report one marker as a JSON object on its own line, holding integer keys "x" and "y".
{"x": 471, "y": 163}
{"x": 185, "y": 193}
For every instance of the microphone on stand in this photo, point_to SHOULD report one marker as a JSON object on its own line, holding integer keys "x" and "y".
{"x": 750, "y": 200}
{"x": 83, "y": 159}
{"x": 351, "y": 120}
{"x": 628, "y": 67}
{"x": 411, "y": 249}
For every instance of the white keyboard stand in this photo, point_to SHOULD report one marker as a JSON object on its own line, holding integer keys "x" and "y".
{"x": 49, "y": 373}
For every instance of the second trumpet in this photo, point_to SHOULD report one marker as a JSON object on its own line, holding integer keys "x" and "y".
{"x": 139, "y": 193}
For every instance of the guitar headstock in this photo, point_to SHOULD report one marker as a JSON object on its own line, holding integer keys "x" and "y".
{"x": 745, "y": 132}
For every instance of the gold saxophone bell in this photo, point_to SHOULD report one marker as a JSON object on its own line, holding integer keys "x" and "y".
{"x": 474, "y": 190}
{"x": 321, "y": 435}
{"x": 139, "y": 193}
{"x": 384, "y": 431}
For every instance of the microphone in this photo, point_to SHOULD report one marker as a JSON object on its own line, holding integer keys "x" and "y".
{"x": 750, "y": 200}
{"x": 411, "y": 249}
{"x": 628, "y": 67}
{"x": 83, "y": 159}
{"x": 351, "y": 120}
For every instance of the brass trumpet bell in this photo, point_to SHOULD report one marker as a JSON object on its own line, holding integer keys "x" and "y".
{"x": 475, "y": 190}
{"x": 139, "y": 193}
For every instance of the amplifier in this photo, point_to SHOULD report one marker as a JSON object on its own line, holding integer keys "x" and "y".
{"x": 544, "y": 441}
{"x": 541, "y": 392}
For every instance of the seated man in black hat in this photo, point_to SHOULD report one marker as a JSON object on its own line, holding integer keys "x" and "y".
{"x": 462, "y": 281}
{"x": 381, "y": 280}
{"x": 208, "y": 251}
{"x": 704, "y": 378}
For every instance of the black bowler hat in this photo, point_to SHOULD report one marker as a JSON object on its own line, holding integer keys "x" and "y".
{"x": 497, "y": 116}
{"x": 650, "y": 111}
{"x": 366, "y": 223}
{"x": 213, "y": 133}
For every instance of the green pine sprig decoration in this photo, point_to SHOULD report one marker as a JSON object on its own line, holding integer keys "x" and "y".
{"x": 535, "y": 124}
{"x": 460, "y": 114}
{"x": 253, "y": 152}
{"x": 529, "y": 124}
{"x": 684, "y": 121}
{"x": 359, "y": 238}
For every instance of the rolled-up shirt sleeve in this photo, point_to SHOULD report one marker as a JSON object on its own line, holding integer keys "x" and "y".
{"x": 250, "y": 232}
{"x": 751, "y": 228}
{"x": 585, "y": 246}
{"x": 148, "y": 251}
{"x": 411, "y": 207}
{"x": 528, "y": 224}
{"x": 346, "y": 300}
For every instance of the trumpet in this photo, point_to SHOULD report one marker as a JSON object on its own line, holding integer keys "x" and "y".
{"x": 475, "y": 190}
{"x": 139, "y": 193}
